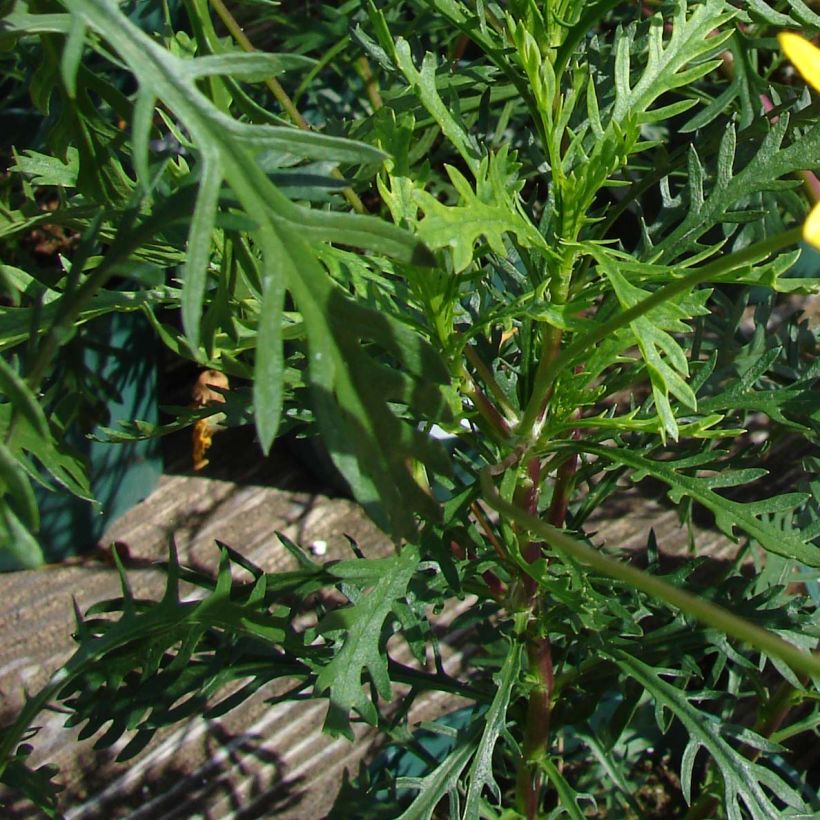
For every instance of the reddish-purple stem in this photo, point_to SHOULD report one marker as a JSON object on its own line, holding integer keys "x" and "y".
{"x": 537, "y": 728}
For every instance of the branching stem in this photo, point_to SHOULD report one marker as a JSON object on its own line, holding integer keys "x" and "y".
{"x": 279, "y": 93}
{"x": 485, "y": 374}
{"x": 488, "y": 530}
{"x": 486, "y": 409}
{"x": 371, "y": 85}
{"x": 549, "y": 369}
{"x": 692, "y": 605}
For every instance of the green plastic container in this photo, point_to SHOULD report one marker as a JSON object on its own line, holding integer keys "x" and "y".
{"x": 121, "y": 349}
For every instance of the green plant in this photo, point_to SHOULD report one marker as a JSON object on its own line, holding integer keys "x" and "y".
{"x": 575, "y": 201}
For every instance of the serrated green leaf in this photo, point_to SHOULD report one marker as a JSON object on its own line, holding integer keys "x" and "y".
{"x": 491, "y": 211}
{"x": 361, "y": 650}
{"x": 443, "y": 779}
{"x": 495, "y": 722}
{"x": 743, "y": 780}
{"x": 790, "y": 406}
{"x": 691, "y": 40}
{"x": 665, "y": 360}
{"x": 750, "y": 517}
{"x": 765, "y": 171}
{"x": 424, "y": 85}
{"x": 47, "y": 170}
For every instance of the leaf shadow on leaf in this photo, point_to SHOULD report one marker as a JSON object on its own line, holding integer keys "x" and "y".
{"x": 363, "y": 379}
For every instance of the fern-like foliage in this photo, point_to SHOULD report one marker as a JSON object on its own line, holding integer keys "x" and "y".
{"x": 743, "y": 782}
{"x": 159, "y": 662}
{"x": 236, "y": 162}
{"x": 571, "y": 207}
{"x": 725, "y": 194}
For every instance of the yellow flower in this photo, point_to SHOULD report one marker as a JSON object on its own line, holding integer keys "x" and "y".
{"x": 811, "y": 227}
{"x": 806, "y": 59}
{"x": 804, "y": 55}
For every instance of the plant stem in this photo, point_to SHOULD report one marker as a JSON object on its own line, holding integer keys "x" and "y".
{"x": 235, "y": 30}
{"x": 703, "y": 610}
{"x": 526, "y": 498}
{"x": 537, "y": 726}
{"x": 561, "y": 491}
{"x": 551, "y": 342}
{"x": 475, "y": 507}
{"x": 486, "y": 409}
{"x": 529, "y": 779}
{"x": 539, "y": 707}
{"x": 487, "y": 377}
{"x": 371, "y": 85}
{"x": 549, "y": 353}
{"x": 549, "y": 369}
{"x": 435, "y": 681}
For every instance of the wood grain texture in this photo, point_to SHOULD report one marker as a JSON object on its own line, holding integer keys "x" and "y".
{"x": 258, "y": 761}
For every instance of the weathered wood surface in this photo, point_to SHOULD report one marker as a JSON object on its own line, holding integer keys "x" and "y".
{"x": 258, "y": 761}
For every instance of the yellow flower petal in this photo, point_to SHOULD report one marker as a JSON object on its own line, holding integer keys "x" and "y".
{"x": 811, "y": 227}
{"x": 804, "y": 55}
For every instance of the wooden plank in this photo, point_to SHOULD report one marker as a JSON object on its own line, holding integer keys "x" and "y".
{"x": 259, "y": 759}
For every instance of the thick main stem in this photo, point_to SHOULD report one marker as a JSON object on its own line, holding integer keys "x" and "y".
{"x": 529, "y": 779}
{"x": 537, "y": 726}
{"x": 526, "y": 497}
{"x": 692, "y": 605}
{"x": 539, "y": 707}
